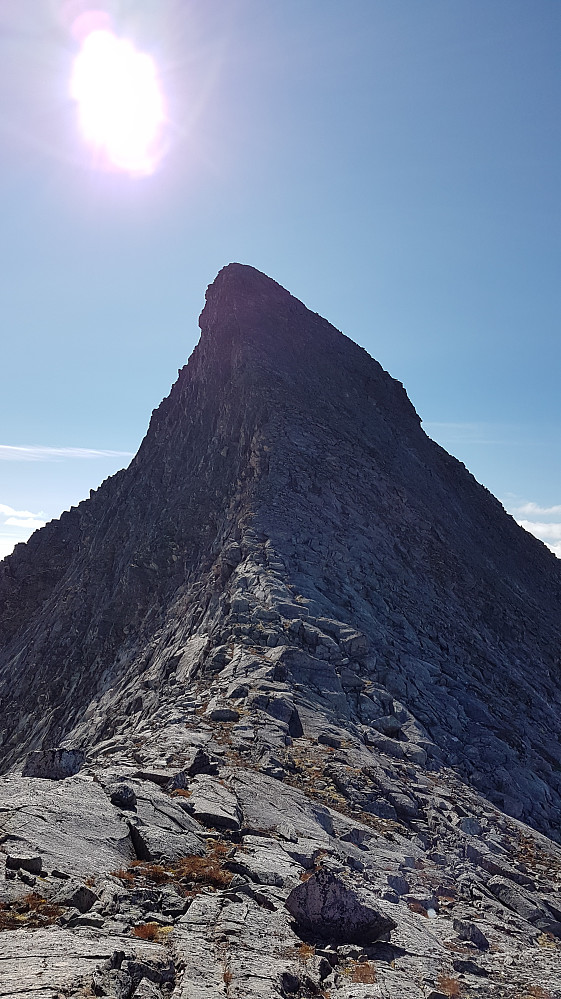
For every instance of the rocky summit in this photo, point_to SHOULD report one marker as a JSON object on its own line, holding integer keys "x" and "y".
{"x": 280, "y": 702}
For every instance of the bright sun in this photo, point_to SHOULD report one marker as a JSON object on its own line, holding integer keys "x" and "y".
{"x": 121, "y": 106}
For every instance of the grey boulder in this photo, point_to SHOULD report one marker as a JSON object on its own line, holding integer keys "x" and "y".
{"x": 24, "y": 862}
{"x": 324, "y": 906}
{"x": 123, "y": 796}
{"x": 213, "y": 804}
{"x": 470, "y": 932}
{"x": 77, "y": 895}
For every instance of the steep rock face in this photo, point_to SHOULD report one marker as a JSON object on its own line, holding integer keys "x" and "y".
{"x": 293, "y": 644}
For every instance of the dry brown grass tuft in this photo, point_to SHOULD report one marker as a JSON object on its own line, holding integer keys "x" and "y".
{"x": 33, "y": 911}
{"x": 124, "y": 875}
{"x": 305, "y": 952}
{"x": 157, "y": 874}
{"x": 532, "y": 854}
{"x": 537, "y": 992}
{"x": 148, "y": 931}
{"x": 362, "y": 972}
{"x": 191, "y": 873}
{"x": 548, "y": 940}
{"x": 204, "y": 871}
{"x": 306, "y": 875}
{"x": 450, "y": 986}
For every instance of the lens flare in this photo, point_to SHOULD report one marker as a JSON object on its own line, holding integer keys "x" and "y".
{"x": 121, "y": 106}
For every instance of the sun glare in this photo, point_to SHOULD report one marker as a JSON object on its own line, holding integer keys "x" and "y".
{"x": 121, "y": 107}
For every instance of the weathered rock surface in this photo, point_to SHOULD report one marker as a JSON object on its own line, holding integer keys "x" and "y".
{"x": 287, "y": 684}
{"x": 46, "y": 964}
{"x": 70, "y": 825}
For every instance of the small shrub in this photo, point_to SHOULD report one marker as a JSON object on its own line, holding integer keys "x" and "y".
{"x": 33, "y": 901}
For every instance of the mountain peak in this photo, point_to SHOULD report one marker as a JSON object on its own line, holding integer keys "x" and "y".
{"x": 253, "y": 328}
{"x": 239, "y": 296}
{"x": 242, "y": 280}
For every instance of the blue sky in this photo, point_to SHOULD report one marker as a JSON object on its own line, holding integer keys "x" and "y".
{"x": 393, "y": 163}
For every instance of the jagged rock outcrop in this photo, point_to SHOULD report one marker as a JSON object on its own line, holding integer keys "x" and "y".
{"x": 294, "y": 638}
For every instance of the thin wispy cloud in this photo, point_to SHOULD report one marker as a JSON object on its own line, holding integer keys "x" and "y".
{"x": 550, "y": 534}
{"x": 11, "y": 452}
{"x": 31, "y": 523}
{"x": 8, "y": 511}
{"x": 534, "y": 510}
{"x": 466, "y": 433}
